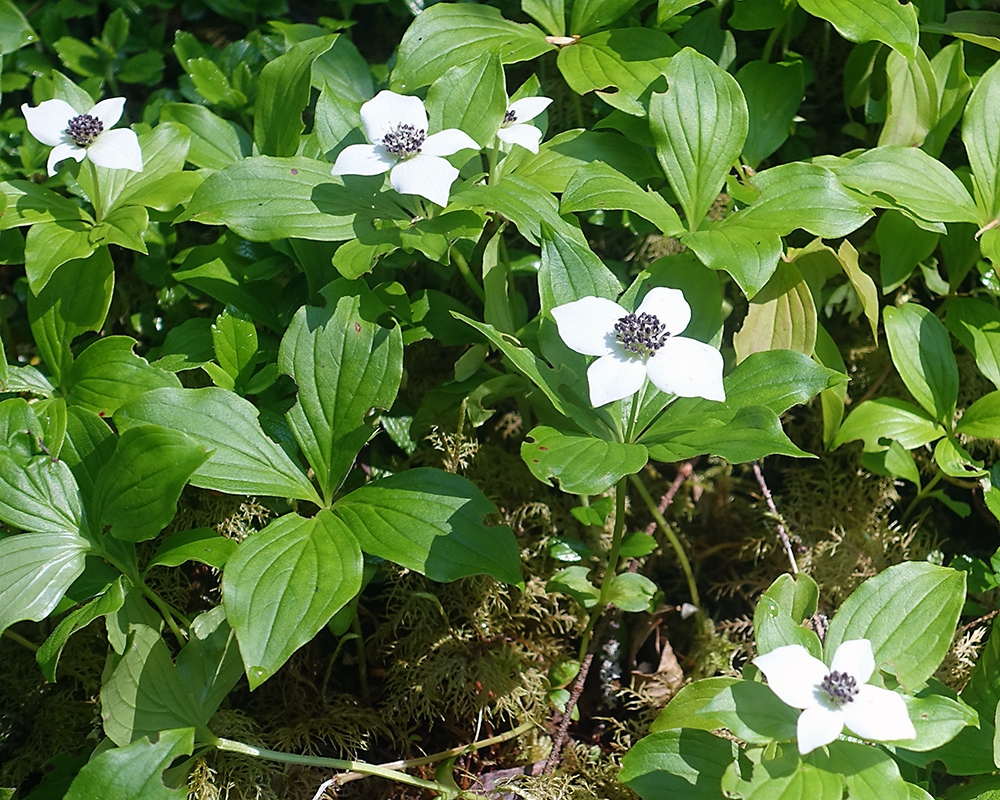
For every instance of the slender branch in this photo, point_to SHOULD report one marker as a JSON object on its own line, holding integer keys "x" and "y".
{"x": 574, "y": 697}
{"x": 671, "y": 537}
{"x": 463, "y": 268}
{"x": 16, "y": 637}
{"x": 683, "y": 473}
{"x": 782, "y": 533}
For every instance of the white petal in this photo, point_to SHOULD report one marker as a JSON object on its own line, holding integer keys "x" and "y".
{"x": 793, "y": 674}
{"x": 386, "y": 110}
{"x": 528, "y": 136}
{"x": 855, "y": 658}
{"x": 427, "y": 176}
{"x": 63, "y": 151}
{"x": 669, "y": 306}
{"x": 587, "y": 325}
{"x": 445, "y": 143}
{"x": 687, "y": 368}
{"x": 613, "y": 377}
{"x": 878, "y": 714}
{"x": 818, "y": 726}
{"x": 363, "y": 159}
{"x": 528, "y": 107}
{"x": 117, "y": 149}
{"x": 109, "y": 111}
{"x": 47, "y": 122}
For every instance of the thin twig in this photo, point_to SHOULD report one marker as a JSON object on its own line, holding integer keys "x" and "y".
{"x": 562, "y": 733}
{"x": 782, "y": 533}
{"x": 683, "y": 473}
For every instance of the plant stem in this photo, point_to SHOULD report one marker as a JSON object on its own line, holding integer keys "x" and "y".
{"x": 166, "y": 611}
{"x": 16, "y": 637}
{"x": 671, "y": 537}
{"x": 96, "y": 199}
{"x": 463, "y": 267}
{"x": 362, "y": 660}
{"x": 609, "y": 571}
{"x": 920, "y": 496}
{"x": 494, "y": 153}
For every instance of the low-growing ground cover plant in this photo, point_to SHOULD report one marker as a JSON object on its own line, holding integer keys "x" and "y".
{"x": 587, "y": 399}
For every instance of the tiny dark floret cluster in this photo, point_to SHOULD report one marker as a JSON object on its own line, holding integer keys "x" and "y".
{"x": 643, "y": 334}
{"x": 84, "y": 129}
{"x": 839, "y": 687}
{"x": 404, "y": 140}
{"x": 510, "y": 117}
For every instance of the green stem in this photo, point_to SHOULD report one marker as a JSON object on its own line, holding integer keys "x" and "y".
{"x": 96, "y": 199}
{"x": 166, "y": 612}
{"x": 610, "y": 570}
{"x": 16, "y": 637}
{"x": 463, "y": 267}
{"x": 362, "y": 660}
{"x": 671, "y": 537}
{"x": 772, "y": 38}
{"x": 494, "y": 153}
{"x": 920, "y": 496}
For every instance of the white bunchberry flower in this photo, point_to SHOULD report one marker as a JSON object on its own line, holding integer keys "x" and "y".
{"x": 634, "y": 346}
{"x": 396, "y": 126}
{"x": 836, "y": 696}
{"x": 515, "y": 129}
{"x": 71, "y": 134}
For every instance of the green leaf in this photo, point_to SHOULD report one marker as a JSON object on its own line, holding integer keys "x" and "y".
{"x": 39, "y": 495}
{"x": 982, "y": 142}
{"x": 263, "y": 199}
{"x": 677, "y": 763}
{"x": 147, "y": 693}
{"x": 778, "y": 379}
{"x": 887, "y": 21}
{"x": 912, "y": 100}
{"x": 234, "y": 340}
{"x": 49, "y": 245}
{"x": 806, "y": 196}
{"x": 783, "y": 774}
{"x": 773, "y": 93}
{"x": 284, "y": 583}
{"x": 448, "y": 35}
{"x": 748, "y": 254}
{"x": 782, "y": 316}
{"x": 913, "y": 180}
{"x": 550, "y": 14}
{"x": 574, "y": 582}
{"x": 88, "y": 445}
{"x": 598, "y": 186}
{"x": 902, "y": 245}
{"x": 955, "y": 461}
{"x": 774, "y": 627}
{"x": 938, "y": 719}
{"x": 570, "y": 270}
{"x": 581, "y": 464}
{"x": 591, "y": 15}
{"x": 470, "y": 97}
{"x": 215, "y": 142}
{"x": 432, "y": 522}
{"x": 107, "y": 602}
{"x": 37, "y": 569}
{"x": 619, "y": 65}
{"x": 134, "y": 772}
{"x": 684, "y": 708}
{"x": 888, "y": 419}
{"x": 15, "y": 32}
{"x": 909, "y": 613}
{"x": 978, "y": 27}
{"x": 523, "y": 202}
{"x": 200, "y": 544}
{"x": 982, "y": 418}
{"x": 977, "y": 325}
{"x": 796, "y": 595}
{"x": 869, "y": 773}
{"x": 75, "y": 300}
{"x": 244, "y": 461}
{"x": 345, "y": 364}
{"x": 282, "y": 93}
{"x": 921, "y": 351}
{"x": 699, "y": 125}
{"x": 124, "y": 227}
{"x": 754, "y": 432}
{"x": 28, "y": 203}
{"x": 863, "y": 285}
{"x": 136, "y": 492}
{"x": 108, "y": 373}
{"x": 631, "y": 591}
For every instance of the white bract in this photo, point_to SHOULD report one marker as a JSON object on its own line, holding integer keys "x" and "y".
{"x": 836, "y": 696}
{"x": 71, "y": 134}
{"x": 634, "y": 346}
{"x": 515, "y": 130}
{"x": 396, "y": 126}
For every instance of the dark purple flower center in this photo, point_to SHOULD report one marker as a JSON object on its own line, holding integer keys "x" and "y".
{"x": 839, "y": 687}
{"x": 510, "y": 117}
{"x": 641, "y": 334}
{"x": 84, "y": 129}
{"x": 404, "y": 140}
